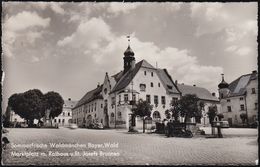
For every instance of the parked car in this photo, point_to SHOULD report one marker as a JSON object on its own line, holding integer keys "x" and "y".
{"x": 73, "y": 126}
{"x": 224, "y": 124}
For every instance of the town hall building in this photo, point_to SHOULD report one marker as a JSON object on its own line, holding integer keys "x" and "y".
{"x": 111, "y": 103}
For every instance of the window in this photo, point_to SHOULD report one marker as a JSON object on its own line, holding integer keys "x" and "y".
{"x": 101, "y": 120}
{"x": 253, "y": 90}
{"x": 95, "y": 115}
{"x": 112, "y": 114}
{"x": 59, "y": 120}
{"x": 54, "y": 120}
{"x": 101, "y": 105}
{"x": 151, "y": 84}
{"x": 113, "y": 99}
{"x": 63, "y": 113}
{"x": 229, "y": 108}
{"x": 68, "y": 113}
{"x": 92, "y": 108}
{"x": 228, "y": 100}
{"x": 89, "y": 108}
{"x": 142, "y": 87}
{"x": 119, "y": 98}
{"x": 63, "y": 120}
{"x": 221, "y": 95}
{"x": 241, "y": 98}
{"x": 144, "y": 72}
{"x": 163, "y": 99}
{"x": 119, "y": 114}
{"x": 134, "y": 97}
{"x": 125, "y": 97}
{"x": 95, "y": 106}
{"x": 256, "y": 106}
{"x": 159, "y": 85}
{"x": 148, "y": 98}
{"x": 242, "y": 107}
{"x": 152, "y": 74}
{"x": 155, "y": 99}
{"x": 174, "y": 99}
{"x": 105, "y": 90}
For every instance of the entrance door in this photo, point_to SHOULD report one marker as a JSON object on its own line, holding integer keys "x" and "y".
{"x": 230, "y": 122}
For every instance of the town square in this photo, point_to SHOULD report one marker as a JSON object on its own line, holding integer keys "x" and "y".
{"x": 120, "y": 83}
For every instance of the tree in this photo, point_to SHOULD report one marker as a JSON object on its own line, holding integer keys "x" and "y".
{"x": 220, "y": 116}
{"x": 53, "y": 103}
{"x": 142, "y": 109}
{"x": 189, "y": 107}
{"x": 243, "y": 117}
{"x": 28, "y": 105}
{"x": 174, "y": 111}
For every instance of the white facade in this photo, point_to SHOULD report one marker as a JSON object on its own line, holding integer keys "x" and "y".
{"x": 240, "y": 97}
{"x": 65, "y": 118}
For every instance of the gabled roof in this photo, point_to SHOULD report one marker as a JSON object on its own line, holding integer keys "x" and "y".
{"x": 167, "y": 81}
{"x": 201, "y": 93}
{"x": 90, "y": 96}
{"x": 238, "y": 86}
{"x": 126, "y": 78}
{"x": 69, "y": 104}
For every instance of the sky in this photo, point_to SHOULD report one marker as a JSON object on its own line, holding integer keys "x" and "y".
{"x": 68, "y": 47}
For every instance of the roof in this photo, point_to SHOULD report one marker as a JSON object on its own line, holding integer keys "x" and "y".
{"x": 167, "y": 81}
{"x": 90, "y": 96}
{"x": 201, "y": 93}
{"x": 238, "y": 86}
{"x": 126, "y": 78}
{"x": 69, "y": 103}
{"x": 118, "y": 75}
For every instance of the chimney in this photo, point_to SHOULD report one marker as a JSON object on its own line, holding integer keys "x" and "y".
{"x": 214, "y": 94}
{"x": 194, "y": 85}
{"x": 176, "y": 82}
{"x": 254, "y": 72}
{"x": 69, "y": 99}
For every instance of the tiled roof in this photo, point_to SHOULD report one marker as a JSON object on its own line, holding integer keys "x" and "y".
{"x": 129, "y": 75}
{"x": 167, "y": 81}
{"x": 118, "y": 75}
{"x": 238, "y": 86}
{"x": 90, "y": 96}
{"x": 202, "y": 93}
{"x": 69, "y": 103}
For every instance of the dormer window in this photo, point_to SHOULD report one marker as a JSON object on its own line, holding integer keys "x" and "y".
{"x": 169, "y": 86}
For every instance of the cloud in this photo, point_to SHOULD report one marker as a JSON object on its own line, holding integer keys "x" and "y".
{"x": 26, "y": 26}
{"x": 121, "y": 7}
{"x": 56, "y": 7}
{"x": 215, "y": 17}
{"x": 26, "y": 20}
{"x": 88, "y": 35}
{"x": 243, "y": 51}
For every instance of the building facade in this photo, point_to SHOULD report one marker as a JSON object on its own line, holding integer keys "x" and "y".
{"x": 112, "y": 101}
{"x": 65, "y": 118}
{"x": 240, "y": 96}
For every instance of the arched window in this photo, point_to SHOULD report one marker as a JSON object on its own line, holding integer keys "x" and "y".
{"x": 156, "y": 115}
{"x": 112, "y": 114}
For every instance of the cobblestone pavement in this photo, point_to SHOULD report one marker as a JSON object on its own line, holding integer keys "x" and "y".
{"x": 134, "y": 149}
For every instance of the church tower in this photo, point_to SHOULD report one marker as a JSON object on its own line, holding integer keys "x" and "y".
{"x": 129, "y": 59}
{"x": 223, "y": 88}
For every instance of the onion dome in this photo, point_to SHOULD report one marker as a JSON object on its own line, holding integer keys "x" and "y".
{"x": 223, "y": 83}
{"x": 129, "y": 52}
